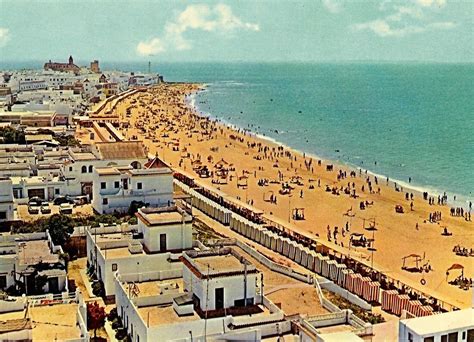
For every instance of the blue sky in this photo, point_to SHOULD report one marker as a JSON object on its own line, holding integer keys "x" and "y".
{"x": 168, "y": 31}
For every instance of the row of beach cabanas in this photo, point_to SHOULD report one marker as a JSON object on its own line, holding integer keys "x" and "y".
{"x": 364, "y": 284}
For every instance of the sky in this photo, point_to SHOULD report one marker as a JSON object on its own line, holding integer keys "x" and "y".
{"x": 244, "y": 30}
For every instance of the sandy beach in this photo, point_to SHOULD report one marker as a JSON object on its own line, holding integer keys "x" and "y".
{"x": 278, "y": 181}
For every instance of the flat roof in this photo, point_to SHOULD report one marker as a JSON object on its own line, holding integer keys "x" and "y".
{"x": 447, "y": 321}
{"x": 162, "y": 216}
{"x": 35, "y": 251}
{"x": 152, "y": 287}
{"x": 340, "y": 336}
{"x": 108, "y": 171}
{"x": 115, "y": 253}
{"x": 219, "y": 263}
{"x": 83, "y": 156}
{"x": 155, "y": 315}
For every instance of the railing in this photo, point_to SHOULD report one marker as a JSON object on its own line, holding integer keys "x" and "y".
{"x": 51, "y": 299}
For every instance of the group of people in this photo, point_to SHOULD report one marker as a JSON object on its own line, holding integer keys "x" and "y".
{"x": 435, "y": 216}
{"x": 463, "y": 251}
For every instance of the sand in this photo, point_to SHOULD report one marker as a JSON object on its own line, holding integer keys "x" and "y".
{"x": 177, "y": 135}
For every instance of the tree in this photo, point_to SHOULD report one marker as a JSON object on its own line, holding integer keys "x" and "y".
{"x": 60, "y": 228}
{"x": 95, "y": 317}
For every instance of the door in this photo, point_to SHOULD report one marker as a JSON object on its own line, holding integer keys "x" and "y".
{"x": 86, "y": 189}
{"x": 219, "y": 294}
{"x": 53, "y": 284}
{"x": 162, "y": 242}
{"x": 50, "y": 193}
{"x": 125, "y": 183}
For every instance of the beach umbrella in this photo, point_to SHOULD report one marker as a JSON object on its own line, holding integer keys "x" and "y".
{"x": 455, "y": 267}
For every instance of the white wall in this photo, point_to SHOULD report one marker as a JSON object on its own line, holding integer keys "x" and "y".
{"x": 233, "y": 288}
{"x": 178, "y": 236}
{"x": 156, "y": 189}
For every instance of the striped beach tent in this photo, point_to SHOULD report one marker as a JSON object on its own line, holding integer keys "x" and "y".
{"x": 372, "y": 292}
{"x": 414, "y": 307}
{"x": 333, "y": 270}
{"x": 426, "y": 310}
{"x": 359, "y": 285}
{"x": 401, "y": 303}
{"x": 338, "y": 270}
{"x": 388, "y": 299}
{"x": 351, "y": 280}
{"x": 343, "y": 276}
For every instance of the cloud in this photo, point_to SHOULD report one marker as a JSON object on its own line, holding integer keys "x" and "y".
{"x": 4, "y": 36}
{"x": 429, "y": 3}
{"x": 384, "y": 29}
{"x": 219, "y": 18}
{"x": 405, "y": 20}
{"x": 332, "y": 6}
{"x": 151, "y": 47}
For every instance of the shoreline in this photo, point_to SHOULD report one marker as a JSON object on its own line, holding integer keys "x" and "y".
{"x": 462, "y": 200}
{"x": 181, "y": 136}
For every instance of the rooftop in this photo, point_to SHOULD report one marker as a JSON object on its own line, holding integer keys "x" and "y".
{"x": 222, "y": 262}
{"x": 439, "y": 323}
{"x": 35, "y": 251}
{"x": 122, "y": 150}
{"x": 162, "y": 216}
{"x": 157, "y": 287}
{"x": 155, "y": 315}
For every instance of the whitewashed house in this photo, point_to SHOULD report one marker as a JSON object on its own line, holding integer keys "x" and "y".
{"x": 157, "y": 310}
{"x": 114, "y": 188}
{"x": 26, "y": 256}
{"x": 7, "y": 207}
{"x": 453, "y": 326}
{"x": 219, "y": 279}
{"x": 139, "y": 248}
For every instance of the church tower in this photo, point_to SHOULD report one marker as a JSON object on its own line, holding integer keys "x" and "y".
{"x": 71, "y": 61}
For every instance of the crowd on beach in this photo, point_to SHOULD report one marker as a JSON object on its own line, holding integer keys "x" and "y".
{"x": 279, "y": 177}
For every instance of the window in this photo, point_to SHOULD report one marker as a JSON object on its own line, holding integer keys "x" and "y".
{"x": 139, "y": 186}
{"x": 114, "y": 267}
{"x": 117, "y": 184}
{"x": 3, "y": 281}
{"x": 103, "y": 185}
{"x": 428, "y": 339}
{"x": 444, "y": 338}
{"x": 410, "y": 337}
{"x": 105, "y": 201}
{"x": 90, "y": 168}
{"x": 3, "y": 215}
{"x": 70, "y": 168}
{"x": 56, "y": 191}
{"x": 84, "y": 169}
{"x": 453, "y": 337}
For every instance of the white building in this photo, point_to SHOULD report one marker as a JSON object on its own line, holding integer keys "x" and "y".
{"x": 127, "y": 248}
{"x": 6, "y": 200}
{"x": 454, "y": 326}
{"x": 165, "y": 229}
{"x": 115, "y": 188}
{"x": 219, "y": 280}
{"x": 156, "y": 310}
{"x": 26, "y": 256}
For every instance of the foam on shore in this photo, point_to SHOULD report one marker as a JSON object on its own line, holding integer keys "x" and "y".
{"x": 461, "y": 200}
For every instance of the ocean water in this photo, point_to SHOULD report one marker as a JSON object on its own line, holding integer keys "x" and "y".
{"x": 397, "y": 120}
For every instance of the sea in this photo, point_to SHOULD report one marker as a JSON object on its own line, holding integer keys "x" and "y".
{"x": 411, "y": 122}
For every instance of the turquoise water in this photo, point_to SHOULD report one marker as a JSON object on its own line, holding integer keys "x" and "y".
{"x": 397, "y": 120}
{"x": 401, "y": 121}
